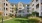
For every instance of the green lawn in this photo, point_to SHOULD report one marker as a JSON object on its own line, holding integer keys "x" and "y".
{"x": 17, "y": 20}
{"x": 0, "y": 18}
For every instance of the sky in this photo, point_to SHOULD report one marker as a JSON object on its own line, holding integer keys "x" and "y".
{"x": 23, "y": 1}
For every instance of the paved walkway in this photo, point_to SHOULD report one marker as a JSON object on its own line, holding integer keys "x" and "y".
{"x": 5, "y": 19}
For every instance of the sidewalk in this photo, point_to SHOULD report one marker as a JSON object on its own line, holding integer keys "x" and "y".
{"x": 5, "y": 19}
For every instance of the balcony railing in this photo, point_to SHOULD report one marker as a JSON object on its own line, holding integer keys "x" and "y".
{"x": 6, "y": 0}
{"x": 37, "y": 9}
{"x": 41, "y": 1}
{"x": 41, "y": 8}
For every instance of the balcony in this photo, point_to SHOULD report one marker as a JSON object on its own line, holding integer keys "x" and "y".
{"x": 20, "y": 8}
{"x": 41, "y": 1}
{"x": 37, "y": 7}
{"x": 6, "y": 0}
{"x": 32, "y": 0}
{"x": 37, "y": 10}
{"x": 41, "y": 8}
{"x": 36, "y": 0}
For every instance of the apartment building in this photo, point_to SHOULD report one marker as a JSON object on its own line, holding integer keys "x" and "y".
{"x": 22, "y": 9}
{"x": 6, "y": 7}
{"x": 36, "y": 6}
{"x": 1, "y": 6}
{"x": 13, "y": 9}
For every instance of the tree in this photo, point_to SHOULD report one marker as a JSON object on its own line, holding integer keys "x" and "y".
{"x": 34, "y": 13}
{"x": 1, "y": 12}
{"x": 11, "y": 15}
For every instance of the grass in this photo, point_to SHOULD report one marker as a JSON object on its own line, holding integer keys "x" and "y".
{"x": 4, "y": 17}
{"x": 0, "y": 17}
{"x": 17, "y": 20}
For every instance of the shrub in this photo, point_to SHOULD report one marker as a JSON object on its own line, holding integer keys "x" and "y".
{"x": 34, "y": 19}
{"x": 0, "y": 17}
{"x": 6, "y": 17}
{"x": 11, "y": 15}
{"x": 33, "y": 13}
{"x": 29, "y": 15}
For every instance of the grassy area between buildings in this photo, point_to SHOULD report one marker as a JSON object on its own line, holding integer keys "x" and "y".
{"x": 0, "y": 17}
{"x": 18, "y": 20}
{"x": 21, "y": 20}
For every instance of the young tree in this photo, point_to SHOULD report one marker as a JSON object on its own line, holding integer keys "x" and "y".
{"x": 34, "y": 13}
{"x": 1, "y": 13}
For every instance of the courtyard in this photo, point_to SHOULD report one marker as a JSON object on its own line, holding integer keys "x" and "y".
{"x": 17, "y": 20}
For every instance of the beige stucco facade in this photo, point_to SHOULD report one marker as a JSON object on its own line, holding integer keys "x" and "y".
{"x": 5, "y": 7}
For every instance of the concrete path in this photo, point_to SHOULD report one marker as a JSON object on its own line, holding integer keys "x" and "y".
{"x": 5, "y": 19}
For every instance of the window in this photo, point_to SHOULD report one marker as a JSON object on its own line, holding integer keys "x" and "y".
{"x": 12, "y": 5}
{"x": 33, "y": 5}
{"x": 27, "y": 6}
{"x": 20, "y": 8}
{"x": 37, "y": 6}
{"x": 36, "y": 0}
{"x": 6, "y": 4}
{"x": 12, "y": 8}
{"x": 32, "y": 0}
{"x": 27, "y": 10}
{"x": 6, "y": 0}
{"x": 20, "y": 5}
{"x": 6, "y": 8}
{"x": 32, "y": 9}
{"x": 41, "y": 7}
{"x": 41, "y": 13}
{"x": 41, "y": 3}
{"x": 0, "y": 8}
{"x": 19, "y": 11}
{"x": 6, "y": 13}
{"x": 12, "y": 11}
